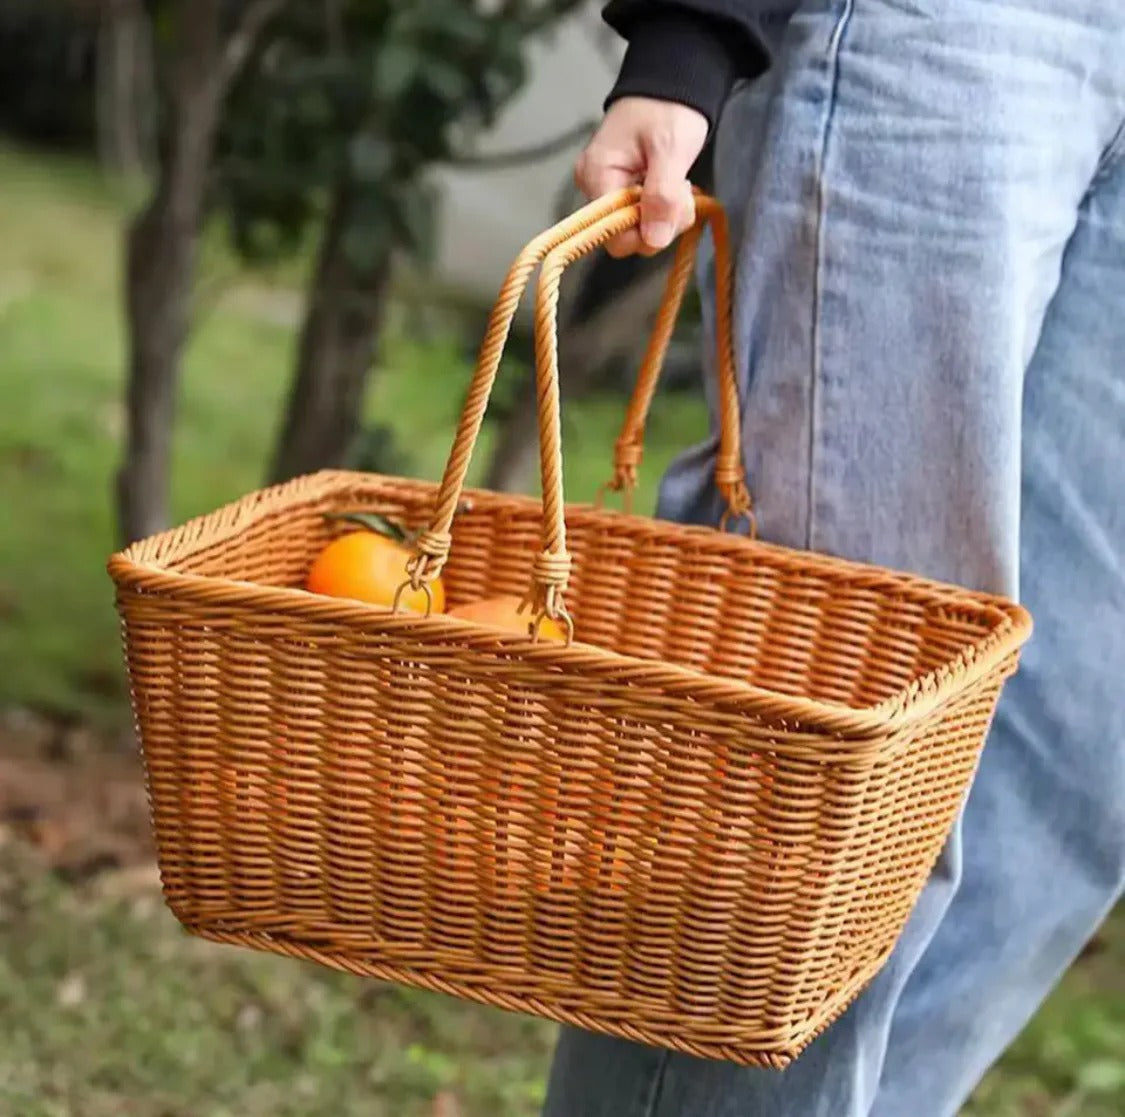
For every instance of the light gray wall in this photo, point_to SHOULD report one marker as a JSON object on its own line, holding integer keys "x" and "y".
{"x": 488, "y": 216}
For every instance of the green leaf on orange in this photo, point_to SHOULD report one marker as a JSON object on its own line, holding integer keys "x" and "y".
{"x": 375, "y": 522}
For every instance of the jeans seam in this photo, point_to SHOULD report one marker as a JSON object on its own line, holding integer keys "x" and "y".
{"x": 656, "y": 1085}
{"x": 833, "y": 60}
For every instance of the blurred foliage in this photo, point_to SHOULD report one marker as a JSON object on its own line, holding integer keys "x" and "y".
{"x": 376, "y": 91}
{"x": 373, "y": 94}
{"x": 379, "y": 450}
{"x": 47, "y": 54}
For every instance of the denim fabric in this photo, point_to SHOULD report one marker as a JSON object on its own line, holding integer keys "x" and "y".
{"x": 929, "y": 199}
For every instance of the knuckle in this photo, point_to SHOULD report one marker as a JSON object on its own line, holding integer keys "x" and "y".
{"x": 662, "y": 139}
{"x": 589, "y": 170}
{"x": 594, "y": 158}
{"x": 623, "y": 245}
{"x": 585, "y": 177}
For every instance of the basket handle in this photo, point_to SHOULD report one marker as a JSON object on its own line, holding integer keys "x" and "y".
{"x": 552, "y": 566}
{"x": 589, "y": 227}
{"x": 431, "y": 548}
{"x": 628, "y": 451}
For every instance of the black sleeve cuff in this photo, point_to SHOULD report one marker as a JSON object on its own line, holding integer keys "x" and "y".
{"x": 679, "y": 55}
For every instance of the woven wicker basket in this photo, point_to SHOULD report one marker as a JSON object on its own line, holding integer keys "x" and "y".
{"x": 702, "y": 826}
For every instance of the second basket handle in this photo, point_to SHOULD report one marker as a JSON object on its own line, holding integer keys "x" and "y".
{"x": 552, "y": 566}
{"x": 628, "y": 451}
{"x": 562, "y": 245}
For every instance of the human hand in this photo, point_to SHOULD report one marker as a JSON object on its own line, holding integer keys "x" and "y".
{"x": 654, "y": 143}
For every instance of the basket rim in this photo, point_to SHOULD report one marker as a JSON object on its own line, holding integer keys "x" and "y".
{"x": 147, "y": 567}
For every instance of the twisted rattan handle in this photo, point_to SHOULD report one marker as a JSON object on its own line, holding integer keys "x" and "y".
{"x": 629, "y": 448}
{"x": 552, "y": 567}
{"x": 565, "y": 242}
{"x": 432, "y": 546}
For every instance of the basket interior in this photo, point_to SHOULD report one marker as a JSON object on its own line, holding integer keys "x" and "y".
{"x": 781, "y": 620}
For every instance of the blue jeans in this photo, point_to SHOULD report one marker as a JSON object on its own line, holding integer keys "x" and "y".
{"x": 929, "y": 198}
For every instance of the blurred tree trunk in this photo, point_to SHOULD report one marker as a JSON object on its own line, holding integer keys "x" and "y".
{"x": 347, "y": 306}
{"x": 162, "y": 247}
{"x": 125, "y": 89}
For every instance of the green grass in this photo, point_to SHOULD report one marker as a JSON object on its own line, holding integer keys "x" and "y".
{"x": 109, "y": 1010}
{"x": 1070, "y": 1060}
{"x": 62, "y": 353}
{"x": 106, "y": 1009}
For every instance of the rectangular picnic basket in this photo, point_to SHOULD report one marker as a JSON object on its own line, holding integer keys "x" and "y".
{"x": 701, "y": 825}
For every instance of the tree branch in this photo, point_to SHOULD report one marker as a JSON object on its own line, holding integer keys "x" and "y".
{"x": 521, "y": 155}
{"x": 334, "y": 26}
{"x": 256, "y": 15}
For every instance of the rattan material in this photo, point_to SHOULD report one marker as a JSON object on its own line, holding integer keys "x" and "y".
{"x": 703, "y": 826}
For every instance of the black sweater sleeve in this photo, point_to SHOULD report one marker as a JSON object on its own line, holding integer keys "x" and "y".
{"x": 691, "y": 51}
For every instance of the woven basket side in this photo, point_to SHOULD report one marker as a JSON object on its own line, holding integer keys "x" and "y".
{"x": 906, "y": 810}
{"x": 792, "y": 630}
{"x": 276, "y": 545}
{"x": 512, "y": 829}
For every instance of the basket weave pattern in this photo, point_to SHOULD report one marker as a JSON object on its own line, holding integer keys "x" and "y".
{"x": 703, "y": 826}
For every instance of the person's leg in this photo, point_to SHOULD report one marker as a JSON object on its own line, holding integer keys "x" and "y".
{"x": 903, "y": 204}
{"x": 1043, "y": 834}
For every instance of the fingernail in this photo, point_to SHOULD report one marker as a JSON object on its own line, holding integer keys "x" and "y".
{"x": 658, "y": 234}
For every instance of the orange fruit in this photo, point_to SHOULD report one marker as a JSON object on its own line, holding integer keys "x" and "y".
{"x": 504, "y": 612}
{"x": 370, "y": 565}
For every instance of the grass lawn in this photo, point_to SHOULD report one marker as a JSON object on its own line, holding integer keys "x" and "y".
{"x": 106, "y": 1009}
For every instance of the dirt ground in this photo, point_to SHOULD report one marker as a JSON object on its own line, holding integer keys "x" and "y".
{"x": 77, "y": 798}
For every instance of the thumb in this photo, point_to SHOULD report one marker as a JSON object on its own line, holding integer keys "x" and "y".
{"x": 667, "y": 207}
